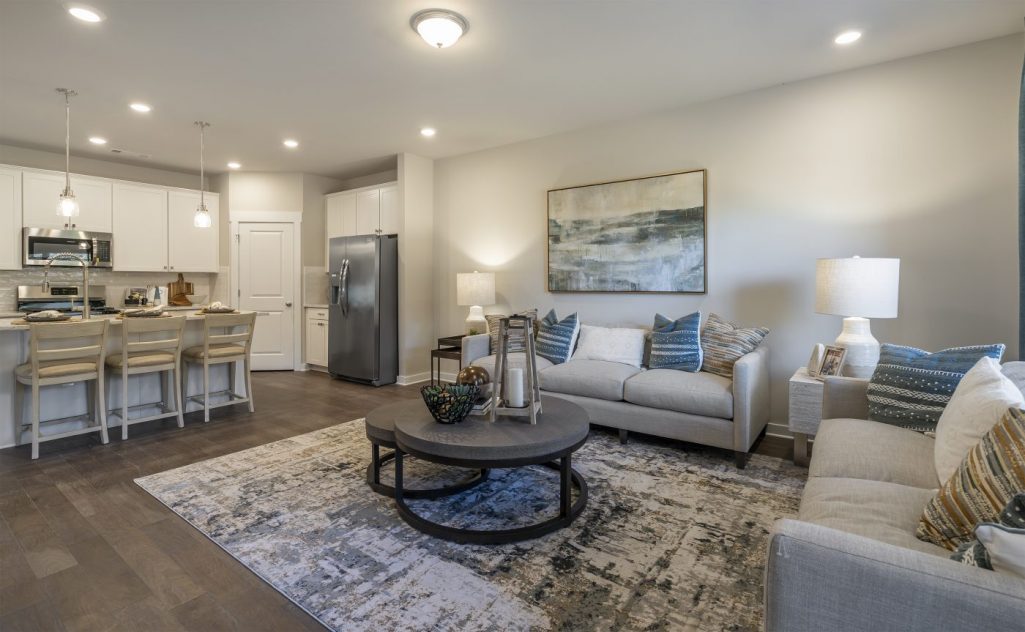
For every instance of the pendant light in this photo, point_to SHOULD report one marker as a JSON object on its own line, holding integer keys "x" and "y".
{"x": 202, "y": 217}
{"x": 67, "y": 205}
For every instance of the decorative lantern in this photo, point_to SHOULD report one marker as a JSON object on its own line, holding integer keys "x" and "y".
{"x": 503, "y": 385}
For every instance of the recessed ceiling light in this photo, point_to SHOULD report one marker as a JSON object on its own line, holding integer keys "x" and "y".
{"x": 439, "y": 27}
{"x": 847, "y": 37}
{"x": 428, "y": 132}
{"x": 234, "y": 165}
{"x": 140, "y": 107}
{"x": 291, "y": 143}
{"x": 97, "y": 140}
{"x": 84, "y": 13}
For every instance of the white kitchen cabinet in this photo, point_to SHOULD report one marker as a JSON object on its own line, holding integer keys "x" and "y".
{"x": 391, "y": 220}
{"x": 191, "y": 249}
{"x": 140, "y": 227}
{"x": 316, "y": 337}
{"x": 340, "y": 218}
{"x": 10, "y": 219}
{"x": 42, "y": 189}
{"x": 368, "y": 212}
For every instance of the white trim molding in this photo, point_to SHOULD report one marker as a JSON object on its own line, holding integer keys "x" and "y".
{"x": 415, "y": 378}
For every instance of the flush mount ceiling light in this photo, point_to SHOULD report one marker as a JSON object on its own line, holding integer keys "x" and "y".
{"x": 97, "y": 140}
{"x": 847, "y": 37}
{"x": 85, "y": 13}
{"x": 234, "y": 165}
{"x": 440, "y": 28}
{"x": 428, "y": 131}
{"x": 291, "y": 143}
{"x": 140, "y": 107}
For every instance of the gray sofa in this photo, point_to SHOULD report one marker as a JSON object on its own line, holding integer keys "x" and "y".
{"x": 698, "y": 407}
{"x": 851, "y": 561}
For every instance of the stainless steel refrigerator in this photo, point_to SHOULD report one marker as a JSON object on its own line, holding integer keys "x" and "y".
{"x": 363, "y": 308}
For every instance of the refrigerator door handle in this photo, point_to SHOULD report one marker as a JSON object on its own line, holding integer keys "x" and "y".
{"x": 336, "y": 291}
{"x": 343, "y": 296}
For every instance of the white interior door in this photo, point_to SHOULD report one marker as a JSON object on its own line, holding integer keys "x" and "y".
{"x": 266, "y": 286}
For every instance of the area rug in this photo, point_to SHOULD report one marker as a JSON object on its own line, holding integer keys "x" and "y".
{"x": 673, "y": 536}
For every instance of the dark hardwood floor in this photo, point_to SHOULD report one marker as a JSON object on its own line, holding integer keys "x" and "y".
{"x": 83, "y": 548}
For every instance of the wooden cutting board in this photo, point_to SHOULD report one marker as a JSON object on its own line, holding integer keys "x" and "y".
{"x": 177, "y": 291}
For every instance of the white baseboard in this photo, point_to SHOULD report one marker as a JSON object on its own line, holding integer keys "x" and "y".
{"x": 415, "y": 378}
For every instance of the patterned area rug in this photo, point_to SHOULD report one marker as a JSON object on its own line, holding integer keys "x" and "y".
{"x": 672, "y": 538}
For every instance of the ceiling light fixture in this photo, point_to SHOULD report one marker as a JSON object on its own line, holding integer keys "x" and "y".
{"x": 97, "y": 140}
{"x": 290, "y": 143}
{"x": 67, "y": 205}
{"x": 85, "y": 13}
{"x": 440, "y": 28}
{"x": 428, "y": 131}
{"x": 234, "y": 165}
{"x": 140, "y": 107}
{"x": 202, "y": 217}
{"x": 847, "y": 37}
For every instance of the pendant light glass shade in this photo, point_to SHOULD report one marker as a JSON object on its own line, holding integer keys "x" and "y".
{"x": 67, "y": 205}
{"x": 202, "y": 217}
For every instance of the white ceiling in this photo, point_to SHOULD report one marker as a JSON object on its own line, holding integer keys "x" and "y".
{"x": 354, "y": 83}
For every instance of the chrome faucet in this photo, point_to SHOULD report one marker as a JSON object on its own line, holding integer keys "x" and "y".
{"x": 85, "y": 279}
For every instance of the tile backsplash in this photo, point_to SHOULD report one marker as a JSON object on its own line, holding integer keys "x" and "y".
{"x": 215, "y": 286}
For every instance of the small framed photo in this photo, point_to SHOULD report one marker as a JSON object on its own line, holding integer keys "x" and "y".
{"x": 832, "y": 361}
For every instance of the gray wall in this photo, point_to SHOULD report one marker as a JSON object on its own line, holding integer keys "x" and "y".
{"x": 913, "y": 159}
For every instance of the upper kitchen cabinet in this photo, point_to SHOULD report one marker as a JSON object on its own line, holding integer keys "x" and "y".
{"x": 341, "y": 214}
{"x": 192, "y": 249}
{"x": 41, "y": 190}
{"x": 368, "y": 212}
{"x": 140, "y": 227}
{"x": 10, "y": 219}
{"x": 390, "y": 215}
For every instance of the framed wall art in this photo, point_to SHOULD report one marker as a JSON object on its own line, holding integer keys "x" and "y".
{"x": 640, "y": 235}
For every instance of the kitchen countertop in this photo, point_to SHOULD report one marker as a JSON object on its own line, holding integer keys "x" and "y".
{"x": 316, "y": 305}
{"x": 7, "y": 324}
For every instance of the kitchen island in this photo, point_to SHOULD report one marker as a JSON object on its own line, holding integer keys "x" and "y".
{"x": 63, "y": 407}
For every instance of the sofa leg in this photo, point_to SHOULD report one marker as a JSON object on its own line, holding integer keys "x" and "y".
{"x": 740, "y": 458}
{"x": 623, "y": 436}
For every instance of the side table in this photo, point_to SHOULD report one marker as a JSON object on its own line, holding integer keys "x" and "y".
{"x": 449, "y": 348}
{"x": 805, "y": 412}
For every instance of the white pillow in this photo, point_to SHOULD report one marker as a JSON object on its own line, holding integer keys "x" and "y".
{"x": 1005, "y": 546}
{"x": 612, "y": 344}
{"x": 979, "y": 401}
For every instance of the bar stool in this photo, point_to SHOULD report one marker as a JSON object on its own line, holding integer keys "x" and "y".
{"x": 228, "y": 347}
{"x": 160, "y": 355}
{"x": 61, "y": 353}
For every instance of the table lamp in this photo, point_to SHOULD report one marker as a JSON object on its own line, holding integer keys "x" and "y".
{"x": 857, "y": 289}
{"x": 475, "y": 289}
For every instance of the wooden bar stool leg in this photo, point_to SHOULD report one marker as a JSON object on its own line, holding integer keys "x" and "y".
{"x": 19, "y": 410}
{"x": 249, "y": 385}
{"x": 232, "y": 366}
{"x": 124, "y": 403}
{"x": 179, "y": 404}
{"x": 206, "y": 392}
{"x": 35, "y": 419}
{"x": 184, "y": 379}
{"x": 103, "y": 407}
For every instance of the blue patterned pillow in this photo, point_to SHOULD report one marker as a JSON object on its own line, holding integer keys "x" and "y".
{"x": 556, "y": 338}
{"x": 974, "y": 553}
{"x": 911, "y": 387}
{"x": 676, "y": 344}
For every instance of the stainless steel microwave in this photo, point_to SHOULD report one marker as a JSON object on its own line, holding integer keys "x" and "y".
{"x": 42, "y": 244}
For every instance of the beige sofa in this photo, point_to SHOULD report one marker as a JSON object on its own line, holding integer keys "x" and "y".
{"x": 698, "y": 407}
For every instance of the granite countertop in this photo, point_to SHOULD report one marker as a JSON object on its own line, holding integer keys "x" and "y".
{"x": 7, "y": 324}
{"x": 316, "y": 305}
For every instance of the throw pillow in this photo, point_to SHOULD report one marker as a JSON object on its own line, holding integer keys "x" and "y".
{"x": 911, "y": 387}
{"x": 979, "y": 401}
{"x": 723, "y": 343}
{"x": 556, "y": 338}
{"x": 676, "y": 344}
{"x": 516, "y": 340}
{"x": 612, "y": 344}
{"x": 998, "y": 546}
{"x": 990, "y": 475}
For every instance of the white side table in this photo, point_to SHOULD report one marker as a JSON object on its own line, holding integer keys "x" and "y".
{"x": 805, "y": 412}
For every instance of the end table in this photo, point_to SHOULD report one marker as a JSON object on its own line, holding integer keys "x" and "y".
{"x": 449, "y": 348}
{"x": 805, "y": 412}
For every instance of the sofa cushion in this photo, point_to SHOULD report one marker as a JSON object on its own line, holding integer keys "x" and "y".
{"x": 869, "y": 450}
{"x": 588, "y": 378}
{"x": 695, "y": 393}
{"x": 886, "y": 512}
{"x": 612, "y": 344}
{"x": 723, "y": 343}
{"x": 515, "y": 360}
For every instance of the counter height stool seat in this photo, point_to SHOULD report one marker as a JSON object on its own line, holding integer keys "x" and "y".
{"x": 380, "y": 428}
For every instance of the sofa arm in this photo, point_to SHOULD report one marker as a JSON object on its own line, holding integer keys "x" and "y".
{"x": 475, "y": 347}
{"x": 845, "y": 397}
{"x": 750, "y": 397}
{"x": 817, "y": 578}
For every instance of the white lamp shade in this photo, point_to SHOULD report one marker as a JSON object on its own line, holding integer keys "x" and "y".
{"x": 857, "y": 287}
{"x": 475, "y": 288}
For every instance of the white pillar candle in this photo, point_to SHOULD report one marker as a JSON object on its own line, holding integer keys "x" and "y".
{"x": 515, "y": 389}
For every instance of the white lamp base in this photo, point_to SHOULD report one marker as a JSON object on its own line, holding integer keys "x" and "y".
{"x": 862, "y": 347}
{"x": 475, "y": 321}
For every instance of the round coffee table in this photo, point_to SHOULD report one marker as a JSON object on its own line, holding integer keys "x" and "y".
{"x": 380, "y": 427}
{"x": 508, "y": 442}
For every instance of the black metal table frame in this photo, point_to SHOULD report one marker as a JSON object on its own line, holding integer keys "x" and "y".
{"x": 568, "y": 509}
{"x": 374, "y": 477}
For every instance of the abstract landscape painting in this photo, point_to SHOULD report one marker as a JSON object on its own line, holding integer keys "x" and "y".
{"x": 642, "y": 235}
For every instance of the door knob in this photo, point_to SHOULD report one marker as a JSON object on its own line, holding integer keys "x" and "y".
{"x": 288, "y": 304}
